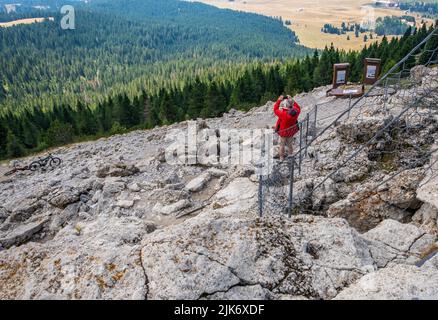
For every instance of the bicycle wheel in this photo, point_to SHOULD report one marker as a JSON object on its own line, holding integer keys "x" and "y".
{"x": 55, "y": 162}
{"x": 9, "y": 173}
{"x": 34, "y": 166}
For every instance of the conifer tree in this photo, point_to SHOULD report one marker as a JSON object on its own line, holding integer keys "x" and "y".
{"x": 14, "y": 147}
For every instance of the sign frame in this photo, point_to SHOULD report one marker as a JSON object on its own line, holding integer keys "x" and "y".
{"x": 371, "y": 71}
{"x": 341, "y": 73}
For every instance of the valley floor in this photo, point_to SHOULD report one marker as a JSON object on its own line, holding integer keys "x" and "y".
{"x": 308, "y": 17}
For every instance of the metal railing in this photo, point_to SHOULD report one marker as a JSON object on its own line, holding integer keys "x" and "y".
{"x": 290, "y": 186}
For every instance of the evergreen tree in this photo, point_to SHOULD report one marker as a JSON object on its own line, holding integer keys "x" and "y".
{"x": 294, "y": 80}
{"x": 3, "y": 140}
{"x": 322, "y": 73}
{"x": 430, "y": 53}
{"x": 14, "y": 147}
{"x": 215, "y": 102}
{"x": 196, "y": 99}
{"x": 59, "y": 134}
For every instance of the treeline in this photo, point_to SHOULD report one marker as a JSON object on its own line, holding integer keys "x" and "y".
{"x": 345, "y": 27}
{"x": 429, "y": 10}
{"x": 390, "y": 26}
{"x": 329, "y": 28}
{"x": 36, "y": 130}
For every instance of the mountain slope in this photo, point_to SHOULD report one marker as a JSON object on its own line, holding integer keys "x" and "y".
{"x": 128, "y": 46}
{"x": 117, "y": 220}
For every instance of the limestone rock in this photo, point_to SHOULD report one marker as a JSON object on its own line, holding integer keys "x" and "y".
{"x": 125, "y": 204}
{"x": 172, "y": 208}
{"x": 199, "y": 182}
{"x": 211, "y": 253}
{"x": 109, "y": 267}
{"x": 372, "y": 203}
{"x": 398, "y": 282}
{"x": 65, "y": 198}
{"x": 430, "y": 259}
{"x": 100, "y": 228}
{"x": 394, "y": 242}
{"x": 325, "y": 195}
{"x": 61, "y": 218}
{"x": 117, "y": 170}
{"x": 418, "y": 72}
{"x": 134, "y": 187}
{"x": 360, "y": 130}
{"x": 112, "y": 188}
{"x": 22, "y": 233}
{"x": 24, "y": 209}
{"x": 216, "y": 173}
{"x": 427, "y": 218}
{"x": 239, "y": 196}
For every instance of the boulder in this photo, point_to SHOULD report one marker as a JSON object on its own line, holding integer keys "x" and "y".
{"x": 427, "y": 215}
{"x": 172, "y": 208}
{"x": 198, "y": 183}
{"x": 401, "y": 191}
{"x": 394, "y": 242}
{"x": 429, "y": 257}
{"x": 217, "y": 173}
{"x": 360, "y": 130}
{"x": 324, "y": 195}
{"x": 134, "y": 187}
{"x": 23, "y": 209}
{"x": 398, "y": 282}
{"x": 22, "y": 233}
{"x": 126, "y": 204}
{"x": 374, "y": 202}
{"x": 62, "y": 217}
{"x": 427, "y": 218}
{"x": 113, "y": 187}
{"x": 3, "y": 214}
{"x": 64, "y": 198}
{"x": 212, "y": 256}
{"x": 117, "y": 170}
{"x": 101, "y": 261}
{"x": 238, "y": 196}
{"x": 418, "y": 73}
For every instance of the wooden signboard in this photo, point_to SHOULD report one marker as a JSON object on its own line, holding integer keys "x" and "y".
{"x": 371, "y": 70}
{"x": 340, "y": 74}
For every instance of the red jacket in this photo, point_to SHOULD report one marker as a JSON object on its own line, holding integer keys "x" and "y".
{"x": 287, "y": 125}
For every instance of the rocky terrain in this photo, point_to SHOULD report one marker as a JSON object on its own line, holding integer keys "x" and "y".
{"x": 117, "y": 221}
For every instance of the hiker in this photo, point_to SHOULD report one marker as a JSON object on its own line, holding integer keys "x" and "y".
{"x": 287, "y": 111}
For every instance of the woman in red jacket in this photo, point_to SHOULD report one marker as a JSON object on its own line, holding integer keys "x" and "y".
{"x": 287, "y": 124}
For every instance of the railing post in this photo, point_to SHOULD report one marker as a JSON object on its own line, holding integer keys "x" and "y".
{"x": 307, "y": 132}
{"x": 316, "y": 119}
{"x": 261, "y": 195}
{"x": 307, "y": 126}
{"x": 291, "y": 184}
{"x": 301, "y": 146}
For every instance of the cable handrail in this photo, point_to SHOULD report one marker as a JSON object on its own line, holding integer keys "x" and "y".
{"x": 375, "y": 85}
{"x": 391, "y": 79}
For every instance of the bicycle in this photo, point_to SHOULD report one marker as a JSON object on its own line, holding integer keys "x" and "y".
{"x": 50, "y": 160}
